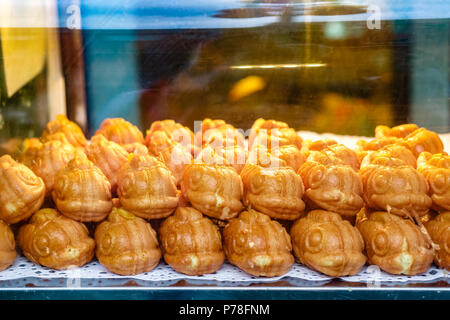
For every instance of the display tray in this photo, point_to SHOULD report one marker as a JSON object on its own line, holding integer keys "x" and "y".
{"x": 26, "y": 280}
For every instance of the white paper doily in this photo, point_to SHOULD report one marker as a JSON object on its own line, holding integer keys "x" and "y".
{"x": 23, "y": 268}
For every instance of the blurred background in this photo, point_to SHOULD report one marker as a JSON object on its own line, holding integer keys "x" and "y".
{"x": 323, "y": 66}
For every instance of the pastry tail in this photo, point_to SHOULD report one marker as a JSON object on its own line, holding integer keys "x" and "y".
{"x": 414, "y": 217}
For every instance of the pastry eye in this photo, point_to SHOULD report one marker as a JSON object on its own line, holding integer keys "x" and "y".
{"x": 41, "y": 245}
{"x": 316, "y": 177}
{"x": 195, "y": 179}
{"x": 380, "y": 183}
{"x": 439, "y": 181}
{"x": 170, "y": 243}
{"x": 257, "y": 184}
{"x": 106, "y": 244}
{"x": 27, "y": 176}
{"x": 210, "y": 182}
{"x": 314, "y": 240}
{"x": 380, "y": 243}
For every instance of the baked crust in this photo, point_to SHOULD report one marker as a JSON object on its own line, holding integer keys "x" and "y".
{"x": 120, "y": 131}
{"x": 258, "y": 245}
{"x": 21, "y": 191}
{"x": 168, "y": 131}
{"x": 82, "y": 192}
{"x": 396, "y": 245}
{"x": 325, "y": 242}
{"x": 50, "y": 158}
{"x": 275, "y": 191}
{"x": 147, "y": 188}
{"x": 54, "y": 241}
{"x": 399, "y": 131}
{"x": 191, "y": 243}
{"x": 108, "y": 156}
{"x": 214, "y": 190}
{"x": 439, "y": 231}
{"x": 126, "y": 244}
{"x": 331, "y": 185}
{"x": 70, "y": 131}
{"x": 392, "y": 186}
{"x": 436, "y": 170}
{"x": 7, "y": 246}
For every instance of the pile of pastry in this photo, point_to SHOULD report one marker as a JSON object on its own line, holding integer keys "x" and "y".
{"x": 198, "y": 200}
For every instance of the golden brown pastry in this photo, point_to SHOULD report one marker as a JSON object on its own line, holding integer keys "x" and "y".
{"x": 171, "y": 130}
{"x": 147, "y": 188}
{"x": 324, "y": 158}
{"x": 258, "y": 245}
{"x": 30, "y": 151}
{"x": 274, "y": 138}
{"x": 126, "y": 244}
{"x": 50, "y": 158}
{"x": 400, "y": 131}
{"x": 208, "y": 124}
{"x": 424, "y": 140}
{"x": 59, "y": 136}
{"x": 217, "y": 124}
{"x": 274, "y": 191}
{"x": 21, "y": 191}
{"x": 417, "y": 141}
{"x": 261, "y": 156}
{"x": 157, "y": 142}
{"x": 174, "y": 130}
{"x": 108, "y": 156}
{"x": 394, "y": 244}
{"x": 7, "y": 246}
{"x": 70, "y": 130}
{"x": 325, "y": 242}
{"x": 376, "y": 144}
{"x": 218, "y": 134}
{"x": 331, "y": 185}
{"x": 439, "y": 230}
{"x": 54, "y": 241}
{"x": 261, "y": 124}
{"x": 291, "y": 154}
{"x": 191, "y": 243}
{"x": 391, "y": 151}
{"x": 395, "y": 187}
{"x": 345, "y": 154}
{"x": 82, "y": 192}
{"x": 319, "y": 145}
{"x": 214, "y": 190}
{"x": 172, "y": 143}
{"x": 334, "y": 154}
{"x": 363, "y": 146}
{"x": 223, "y": 138}
{"x": 137, "y": 148}
{"x": 176, "y": 158}
{"x": 235, "y": 155}
{"x": 209, "y": 156}
{"x": 436, "y": 170}
{"x": 120, "y": 131}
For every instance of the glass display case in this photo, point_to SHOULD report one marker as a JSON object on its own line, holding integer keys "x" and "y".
{"x": 328, "y": 69}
